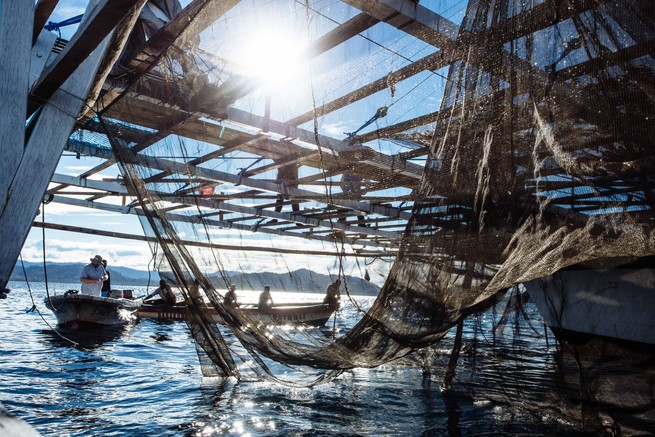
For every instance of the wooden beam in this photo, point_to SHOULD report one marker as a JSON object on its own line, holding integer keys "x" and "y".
{"x": 413, "y": 19}
{"x": 42, "y": 12}
{"x": 41, "y": 155}
{"x": 433, "y": 61}
{"x": 205, "y": 174}
{"x": 217, "y": 206}
{"x": 121, "y": 34}
{"x": 194, "y": 18}
{"x": 341, "y": 33}
{"x": 240, "y": 248}
{"x": 335, "y": 148}
{"x": 236, "y": 87}
{"x": 376, "y": 241}
{"x": 96, "y": 25}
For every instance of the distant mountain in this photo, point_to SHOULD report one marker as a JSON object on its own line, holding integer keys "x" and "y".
{"x": 302, "y": 280}
{"x": 70, "y": 272}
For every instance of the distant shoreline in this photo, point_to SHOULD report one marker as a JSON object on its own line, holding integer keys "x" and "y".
{"x": 302, "y": 280}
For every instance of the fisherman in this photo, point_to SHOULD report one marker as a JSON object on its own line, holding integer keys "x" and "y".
{"x": 106, "y": 284}
{"x": 92, "y": 277}
{"x": 230, "y": 298}
{"x": 165, "y": 293}
{"x": 332, "y": 294}
{"x": 265, "y": 299}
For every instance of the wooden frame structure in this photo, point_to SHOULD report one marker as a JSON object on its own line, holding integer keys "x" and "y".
{"x": 64, "y": 84}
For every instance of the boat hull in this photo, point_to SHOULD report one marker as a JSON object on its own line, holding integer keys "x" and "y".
{"x": 77, "y": 310}
{"x": 284, "y": 314}
{"x": 615, "y": 303}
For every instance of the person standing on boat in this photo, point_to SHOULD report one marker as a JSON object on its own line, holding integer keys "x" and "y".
{"x": 332, "y": 294}
{"x": 92, "y": 277}
{"x": 231, "y": 296}
{"x": 265, "y": 299}
{"x": 166, "y": 294}
{"x": 106, "y": 284}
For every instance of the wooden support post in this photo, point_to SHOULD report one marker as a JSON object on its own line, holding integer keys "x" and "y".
{"x": 16, "y": 18}
{"x": 35, "y": 164}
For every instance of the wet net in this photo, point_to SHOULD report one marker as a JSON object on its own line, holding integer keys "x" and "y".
{"x": 533, "y": 152}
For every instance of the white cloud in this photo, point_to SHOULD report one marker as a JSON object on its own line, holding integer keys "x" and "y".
{"x": 72, "y": 248}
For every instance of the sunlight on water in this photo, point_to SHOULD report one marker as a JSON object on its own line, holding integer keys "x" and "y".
{"x": 145, "y": 379}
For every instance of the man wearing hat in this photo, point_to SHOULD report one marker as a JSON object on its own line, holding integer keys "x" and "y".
{"x": 92, "y": 277}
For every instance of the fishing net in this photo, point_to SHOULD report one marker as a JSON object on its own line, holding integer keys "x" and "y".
{"x": 533, "y": 152}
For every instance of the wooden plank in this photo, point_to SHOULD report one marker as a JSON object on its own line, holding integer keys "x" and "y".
{"x": 16, "y": 18}
{"x": 41, "y": 155}
{"x": 408, "y": 172}
{"x": 331, "y": 146}
{"x": 40, "y": 55}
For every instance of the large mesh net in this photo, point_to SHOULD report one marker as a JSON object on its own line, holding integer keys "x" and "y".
{"x": 534, "y": 153}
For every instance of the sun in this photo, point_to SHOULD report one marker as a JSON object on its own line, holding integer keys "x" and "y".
{"x": 273, "y": 56}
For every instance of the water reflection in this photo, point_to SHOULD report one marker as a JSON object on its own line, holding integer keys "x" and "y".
{"x": 610, "y": 385}
{"x": 87, "y": 339}
{"x": 144, "y": 379}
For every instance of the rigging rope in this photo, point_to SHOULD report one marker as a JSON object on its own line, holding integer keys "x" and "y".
{"x": 52, "y": 26}
{"x": 381, "y": 112}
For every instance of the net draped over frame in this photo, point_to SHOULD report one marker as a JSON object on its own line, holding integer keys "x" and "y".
{"x": 541, "y": 157}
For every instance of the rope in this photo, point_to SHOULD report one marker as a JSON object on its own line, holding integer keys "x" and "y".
{"x": 51, "y": 26}
{"x": 29, "y": 289}
{"x": 243, "y": 170}
{"x": 45, "y": 274}
{"x": 381, "y": 112}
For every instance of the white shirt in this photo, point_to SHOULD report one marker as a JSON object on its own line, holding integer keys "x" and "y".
{"x": 92, "y": 272}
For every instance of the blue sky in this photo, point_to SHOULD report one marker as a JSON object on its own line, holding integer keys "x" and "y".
{"x": 410, "y": 99}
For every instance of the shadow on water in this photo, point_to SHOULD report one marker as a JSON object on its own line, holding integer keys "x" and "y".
{"x": 89, "y": 339}
{"x": 612, "y": 384}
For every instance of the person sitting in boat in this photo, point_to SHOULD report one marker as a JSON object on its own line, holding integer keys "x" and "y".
{"x": 92, "y": 277}
{"x": 265, "y": 299}
{"x": 230, "y": 298}
{"x": 165, "y": 293}
{"x": 332, "y": 294}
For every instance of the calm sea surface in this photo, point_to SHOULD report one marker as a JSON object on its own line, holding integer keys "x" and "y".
{"x": 145, "y": 380}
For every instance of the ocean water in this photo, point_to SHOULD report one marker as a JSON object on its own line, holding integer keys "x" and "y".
{"x": 145, "y": 380}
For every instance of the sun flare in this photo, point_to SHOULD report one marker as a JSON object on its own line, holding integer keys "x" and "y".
{"x": 271, "y": 55}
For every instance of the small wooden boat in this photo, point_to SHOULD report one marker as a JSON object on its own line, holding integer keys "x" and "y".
{"x": 75, "y": 310}
{"x": 314, "y": 314}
